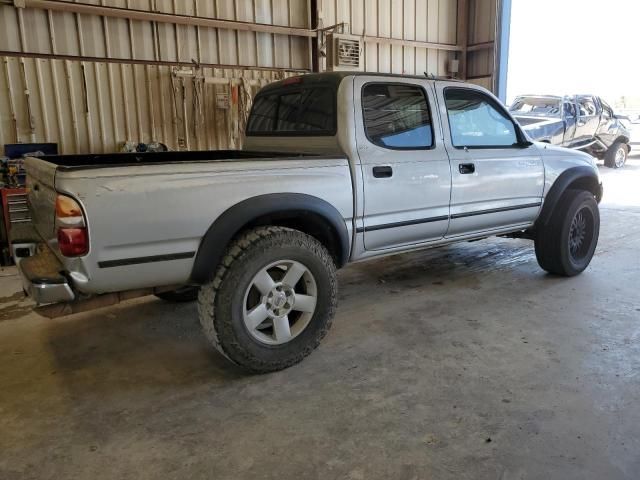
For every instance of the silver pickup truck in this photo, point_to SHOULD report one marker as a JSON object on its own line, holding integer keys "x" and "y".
{"x": 337, "y": 168}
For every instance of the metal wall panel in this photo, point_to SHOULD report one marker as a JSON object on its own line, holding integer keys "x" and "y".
{"x": 97, "y": 106}
{"x": 51, "y": 94}
{"x": 37, "y": 31}
{"x": 422, "y": 20}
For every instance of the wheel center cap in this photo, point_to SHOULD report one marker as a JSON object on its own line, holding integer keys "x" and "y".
{"x": 279, "y": 299}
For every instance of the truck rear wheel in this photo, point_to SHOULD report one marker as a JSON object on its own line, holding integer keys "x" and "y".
{"x": 567, "y": 243}
{"x": 271, "y": 300}
{"x": 616, "y": 156}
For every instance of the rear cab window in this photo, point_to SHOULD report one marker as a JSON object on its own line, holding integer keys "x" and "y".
{"x": 294, "y": 110}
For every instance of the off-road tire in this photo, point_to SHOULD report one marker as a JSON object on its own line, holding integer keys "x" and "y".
{"x": 220, "y": 302}
{"x": 181, "y": 295}
{"x": 610, "y": 155}
{"x": 552, "y": 241}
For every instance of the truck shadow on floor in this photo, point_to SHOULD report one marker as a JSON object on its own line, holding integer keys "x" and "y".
{"x": 154, "y": 343}
{"x": 147, "y": 341}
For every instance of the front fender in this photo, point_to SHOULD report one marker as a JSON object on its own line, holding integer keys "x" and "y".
{"x": 579, "y": 177}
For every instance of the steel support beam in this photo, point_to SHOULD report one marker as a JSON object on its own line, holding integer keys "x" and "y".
{"x": 411, "y": 43}
{"x": 503, "y": 32}
{"x": 129, "y": 61}
{"x": 462, "y": 36}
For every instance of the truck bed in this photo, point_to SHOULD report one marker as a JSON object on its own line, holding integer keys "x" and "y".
{"x": 155, "y": 211}
{"x": 106, "y": 160}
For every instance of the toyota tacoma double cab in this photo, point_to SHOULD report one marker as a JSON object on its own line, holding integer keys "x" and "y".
{"x": 583, "y": 122}
{"x": 337, "y": 168}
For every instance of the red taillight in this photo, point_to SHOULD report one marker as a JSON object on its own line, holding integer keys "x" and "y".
{"x": 73, "y": 237}
{"x": 73, "y": 242}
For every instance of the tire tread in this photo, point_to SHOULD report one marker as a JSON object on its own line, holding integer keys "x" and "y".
{"x": 549, "y": 239}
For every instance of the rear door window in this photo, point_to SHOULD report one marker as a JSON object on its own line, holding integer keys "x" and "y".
{"x": 300, "y": 111}
{"x": 396, "y": 116}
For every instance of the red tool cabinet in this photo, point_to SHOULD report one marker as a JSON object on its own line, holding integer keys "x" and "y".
{"x": 15, "y": 208}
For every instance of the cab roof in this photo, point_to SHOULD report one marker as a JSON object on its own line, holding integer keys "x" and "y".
{"x": 334, "y": 78}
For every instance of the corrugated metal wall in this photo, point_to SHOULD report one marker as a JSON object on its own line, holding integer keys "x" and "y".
{"x": 432, "y": 21}
{"x": 92, "y": 82}
{"x": 42, "y": 31}
{"x": 135, "y": 90}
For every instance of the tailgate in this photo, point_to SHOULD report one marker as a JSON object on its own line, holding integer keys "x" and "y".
{"x": 41, "y": 195}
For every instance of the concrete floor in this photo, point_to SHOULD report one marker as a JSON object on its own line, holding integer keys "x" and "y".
{"x": 461, "y": 362}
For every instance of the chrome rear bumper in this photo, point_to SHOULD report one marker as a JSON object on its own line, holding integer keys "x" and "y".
{"x": 40, "y": 269}
{"x": 44, "y": 292}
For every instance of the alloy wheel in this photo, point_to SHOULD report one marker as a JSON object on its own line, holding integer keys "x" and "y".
{"x": 621, "y": 157}
{"x": 279, "y": 302}
{"x": 581, "y": 234}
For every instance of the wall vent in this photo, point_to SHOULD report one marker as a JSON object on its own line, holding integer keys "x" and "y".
{"x": 344, "y": 52}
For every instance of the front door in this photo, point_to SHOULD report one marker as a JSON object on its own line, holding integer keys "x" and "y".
{"x": 405, "y": 168}
{"x": 497, "y": 181}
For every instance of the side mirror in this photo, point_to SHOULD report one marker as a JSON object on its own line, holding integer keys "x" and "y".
{"x": 523, "y": 143}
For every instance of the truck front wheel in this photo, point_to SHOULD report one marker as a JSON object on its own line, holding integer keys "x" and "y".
{"x": 567, "y": 243}
{"x": 616, "y": 156}
{"x": 271, "y": 300}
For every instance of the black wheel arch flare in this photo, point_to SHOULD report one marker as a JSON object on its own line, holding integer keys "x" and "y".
{"x": 285, "y": 209}
{"x": 580, "y": 177}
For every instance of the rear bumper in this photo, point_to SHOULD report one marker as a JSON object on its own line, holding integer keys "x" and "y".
{"x": 44, "y": 292}
{"x": 40, "y": 270}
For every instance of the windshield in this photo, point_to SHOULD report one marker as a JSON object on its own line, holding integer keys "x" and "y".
{"x": 536, "y": 107}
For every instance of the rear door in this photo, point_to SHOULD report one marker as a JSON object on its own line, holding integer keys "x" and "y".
{"x": 405, "y": 168}
{"x": 569, "y": 114}
{"x": 496, "y": 182}
{"x": 608, "y": 127}
{"x": 588, "y": 119}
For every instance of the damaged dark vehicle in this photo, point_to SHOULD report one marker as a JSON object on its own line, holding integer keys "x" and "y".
{"x": 583, "y": 122}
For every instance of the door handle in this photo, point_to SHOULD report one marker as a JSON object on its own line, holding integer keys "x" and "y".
{"x": 382, "y": 172}
{"x": 465, "y": 168}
